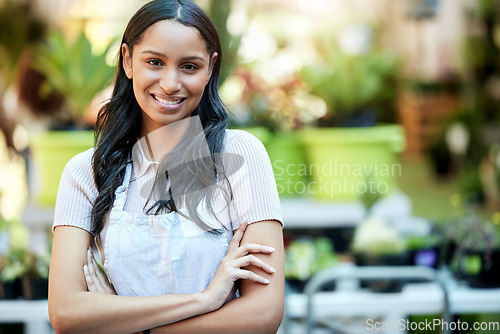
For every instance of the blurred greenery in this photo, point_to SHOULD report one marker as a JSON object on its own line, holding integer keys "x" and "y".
{"x": 20, "y": 28}
{"x": 21, "y": 263}
{"x": 423, "y": 242}
{"x": 305, "y": 257}
{"x": 219, "y": 12}
{"x": 73, "y": 70}
{"x": 375, "y": 237}
{"x": 352, "y": 83}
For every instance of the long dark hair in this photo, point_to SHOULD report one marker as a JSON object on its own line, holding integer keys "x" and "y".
{"x": 119, "y": 121}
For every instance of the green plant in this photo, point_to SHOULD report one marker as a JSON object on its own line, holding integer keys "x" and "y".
{"x": 303, "y": 258}
{"x": 20, "y": 263}
{"x": 423, "y": 242}
{"x": 12, "y": 267}
{"x": 474, "y": 239}
{"x": 219, "y": 12}
{"x": 351, "y": 84}
{"x": 375, "y": 237}
{"x": 472, "y": 233}
{"x": 36, "y": 265}
{"x": 20, "y": 28}
{"x": 74, "y": 71}
{"x": 279, "y": 106}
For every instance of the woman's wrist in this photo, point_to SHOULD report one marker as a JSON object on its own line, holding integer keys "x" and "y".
{"x": 204, "y": 300}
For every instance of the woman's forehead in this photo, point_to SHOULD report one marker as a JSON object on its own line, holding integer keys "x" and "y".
{"x": 169, "y": 36}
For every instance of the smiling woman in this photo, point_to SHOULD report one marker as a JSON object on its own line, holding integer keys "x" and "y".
{"x": 170, "y": 69}
{"x": 203, "y": 244}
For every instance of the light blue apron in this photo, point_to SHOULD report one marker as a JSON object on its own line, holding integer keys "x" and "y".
{"x": 148, "y": 255}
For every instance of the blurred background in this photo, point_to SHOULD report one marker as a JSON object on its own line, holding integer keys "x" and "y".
{"x": 380, "y": 118}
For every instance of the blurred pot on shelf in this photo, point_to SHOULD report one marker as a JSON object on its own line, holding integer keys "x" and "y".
{"x": 377, "y": 243}
{"x": 476, "y": 258}
{"x": 425, "y": 250}
{"x": 350, "y": 142}
{"x": 35, "y": 276}
{"x": 280, "y": 108}
{"x": 305, "y": 257}
{"x": 11, "y": 273}
{"x": 74, "y": 72}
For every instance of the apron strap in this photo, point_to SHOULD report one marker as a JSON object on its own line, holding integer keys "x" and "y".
{"x": 121, "y": 191}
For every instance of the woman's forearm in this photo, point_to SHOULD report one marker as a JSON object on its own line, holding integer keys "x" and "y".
{"x": 240, "y": 315}
{"x": 73, "y": 309}
{"x": 260, "y": 307}
{"x": 87, "y": 312}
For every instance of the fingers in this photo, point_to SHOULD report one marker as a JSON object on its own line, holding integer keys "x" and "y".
{"x": 95, "y": 277}
{"x": 250, "y": 275}
{"x": 88, "y": 279}
{"x": 237, "y": 237}
{"x": 253, "y": 248}
{"x": 245, "y": 261}
{"x": 103, "y": 279}
{"x": 92, "y": 272}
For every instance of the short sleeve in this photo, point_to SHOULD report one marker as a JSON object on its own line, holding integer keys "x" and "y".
{"x": 255, "y": 195}
{"x": 76, "y": 193}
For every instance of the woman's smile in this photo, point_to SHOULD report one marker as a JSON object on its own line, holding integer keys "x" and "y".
{"x": 169, "y": 103}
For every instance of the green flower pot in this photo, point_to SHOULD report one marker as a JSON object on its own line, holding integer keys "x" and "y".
{"x": 345, "y": 163}
{"x": 51, "y": 151}
{"x": 287, "y": 155}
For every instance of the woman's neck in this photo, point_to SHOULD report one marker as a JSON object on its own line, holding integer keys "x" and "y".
{"x": 161, "y": 141}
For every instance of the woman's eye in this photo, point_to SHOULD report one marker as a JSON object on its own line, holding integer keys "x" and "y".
{"x": 190, "y": 67}
{"x": 154, "y": 62}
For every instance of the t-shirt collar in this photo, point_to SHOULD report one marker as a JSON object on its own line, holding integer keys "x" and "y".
{"x": 140, "y": 161}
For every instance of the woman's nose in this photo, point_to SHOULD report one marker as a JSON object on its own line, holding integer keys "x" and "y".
{"x": 170, "y": 82}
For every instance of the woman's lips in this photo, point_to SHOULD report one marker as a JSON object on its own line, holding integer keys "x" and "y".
{"x": 169, "y": 103}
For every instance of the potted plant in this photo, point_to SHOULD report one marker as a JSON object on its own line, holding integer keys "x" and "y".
{"x": 21, "y": 28}
{"x": 304, "y": 257}
{"x": 377, "y": 243}
{"x": 476, "y": 258}
{"x": 357, "y": 83}
{"x": 35, "y": 275}
{"x": 11, "y": 272}
{"x": 72, "y": 70}
{"x": 424, "y": 250}
{"x": 273, "y": 112}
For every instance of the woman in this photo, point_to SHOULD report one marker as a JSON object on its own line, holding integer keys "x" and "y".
{"x": 165, "y": 211}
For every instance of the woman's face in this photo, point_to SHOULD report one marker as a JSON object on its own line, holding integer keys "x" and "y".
{"x": 170, "y": 68}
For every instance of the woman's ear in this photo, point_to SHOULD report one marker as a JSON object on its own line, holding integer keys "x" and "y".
{"x": 127, "y": 60}
{"x": 213, "y": 60}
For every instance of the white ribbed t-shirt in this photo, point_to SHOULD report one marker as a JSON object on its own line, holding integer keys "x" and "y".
{"x": 255, "y": 196}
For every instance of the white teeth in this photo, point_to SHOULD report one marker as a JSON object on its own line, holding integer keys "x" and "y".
{"x": 168, "y": 102}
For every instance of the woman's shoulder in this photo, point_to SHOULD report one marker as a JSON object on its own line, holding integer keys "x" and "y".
{"x": 81, "y": 164}
{"x": 240, "y": 140}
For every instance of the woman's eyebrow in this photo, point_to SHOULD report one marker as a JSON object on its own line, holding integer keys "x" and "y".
{"x": 184, "y": 58}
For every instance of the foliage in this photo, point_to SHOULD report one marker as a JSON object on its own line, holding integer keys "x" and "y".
{"x": 36, "y": 265}
{"x": 12, "y": 267}
{"x": 472, "y": 233}
{"x": 21, "y": 263}
{"x": 423, "y": 242}
{"x": 73, "y": 70}
{"x": 280, "y": 107}
{"x": 474, "y": 239}
{"x": 376, "y": 237}
{"x": 20, "y": 28}
{"x": 303, "y": 258}
{"x": 351, "y": 84}
{"x": 219, "y": 13}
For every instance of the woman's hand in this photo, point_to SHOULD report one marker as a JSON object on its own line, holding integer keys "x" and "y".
{"x": 230, "y": 269}
{"x": 96, "y": 279}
